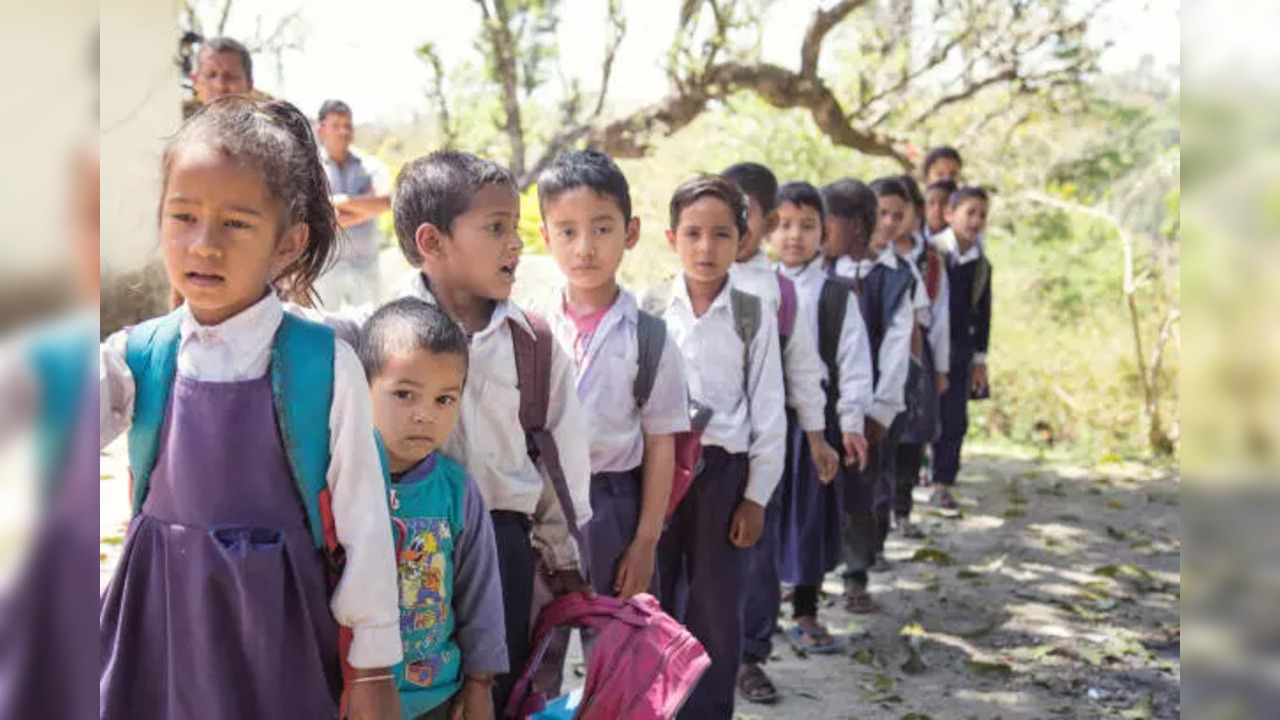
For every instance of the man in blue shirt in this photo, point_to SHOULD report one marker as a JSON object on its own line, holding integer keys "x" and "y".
{"x": 361, "y": 190}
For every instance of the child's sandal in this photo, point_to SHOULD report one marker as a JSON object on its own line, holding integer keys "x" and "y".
{"x": 815, "y": 641}
{"x": 755, "y": 686}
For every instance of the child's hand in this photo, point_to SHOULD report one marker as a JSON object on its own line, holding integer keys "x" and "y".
{"x": 474, "y": 701}
{"x": 979, "y": 378}
{"x": 855, "y": 450}
{"x": 747, "y": 524}
{"x": 563, "y": 582}
{"x": 373, "y": 699}
{"x": 635, "y": 569}
{"x": 941, "y": 382}
{"x": 825, "y": 459}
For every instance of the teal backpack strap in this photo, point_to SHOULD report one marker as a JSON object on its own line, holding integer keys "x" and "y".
{"x": 651, "y": 336}
{"x": 61, "y": 359}
{"x": 302, "y": 390}
{"x": 151, "y": 352}
{"x": 746, "y": 320}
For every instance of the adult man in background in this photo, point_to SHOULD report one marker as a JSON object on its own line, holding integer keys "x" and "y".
{"x": 361, "y": 188}
{"x": 223, "y": 67}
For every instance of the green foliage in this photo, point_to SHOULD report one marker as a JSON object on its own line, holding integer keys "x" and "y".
{"x": 531, "y": 222}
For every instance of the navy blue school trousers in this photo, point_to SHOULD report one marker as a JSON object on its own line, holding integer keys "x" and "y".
{"x": 955, "y": 423}
{"x": 703, "y": 578}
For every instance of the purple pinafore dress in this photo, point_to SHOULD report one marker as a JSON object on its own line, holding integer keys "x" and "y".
{"x": 219, "y": 608}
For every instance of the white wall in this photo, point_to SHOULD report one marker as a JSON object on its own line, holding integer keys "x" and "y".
{"x": 141, "y": 107}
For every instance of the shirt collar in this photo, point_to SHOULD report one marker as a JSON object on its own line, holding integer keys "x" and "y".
{"x": 682, "y": 294}
{"x": 254, "y": 326}
{"x": 815, "y": 265}
{"x": 970, "y": 255}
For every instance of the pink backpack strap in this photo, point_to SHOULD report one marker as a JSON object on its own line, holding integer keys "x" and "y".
{"x": 533, "y": 374}
{"x": 787, "y": 308}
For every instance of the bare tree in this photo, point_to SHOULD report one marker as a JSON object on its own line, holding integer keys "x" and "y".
{"x": 209, "y": 18}
{"x": 1032, "y": 48}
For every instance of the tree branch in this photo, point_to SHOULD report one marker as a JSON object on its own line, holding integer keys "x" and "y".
{"x": 822, "y": 23}
{"x": 498, "y": 29}
{"x": 632, "y": 136}
{"x": 222, "y": 17}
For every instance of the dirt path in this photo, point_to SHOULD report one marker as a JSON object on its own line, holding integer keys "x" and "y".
{"x": 1053, "y": 593}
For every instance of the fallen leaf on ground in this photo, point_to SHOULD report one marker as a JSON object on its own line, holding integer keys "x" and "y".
{"x": 933, "y": 555}
{"x": 990, "y": 668}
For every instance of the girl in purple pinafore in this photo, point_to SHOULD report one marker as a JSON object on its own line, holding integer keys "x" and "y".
{"x": 220, "y": 606}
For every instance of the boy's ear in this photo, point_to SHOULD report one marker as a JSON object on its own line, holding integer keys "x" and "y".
{"x": 290, "y": 246}
{"x": 429, "y": 241}
{"x": 633, "y": 233}
{"x": 546, "y": 236}
{"x": 671, "y": 238}
{"x": 770, "y": 224}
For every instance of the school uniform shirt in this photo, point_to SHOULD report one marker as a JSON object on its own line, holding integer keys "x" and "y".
{"x": 853, "y": 354}
{"x": 239, "y": 349}
{"x": 957, "y": 259}
{"x": 754, "y": 422}
{"x": 889, "y": 397}
{"x": 938, "y": 314}
{"x": 607, "y": 363}
{"x": 490, "y": 442}
{"x": 801, "y": 366}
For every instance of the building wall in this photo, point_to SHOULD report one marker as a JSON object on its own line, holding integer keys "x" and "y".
{"x": 141, "y": 107}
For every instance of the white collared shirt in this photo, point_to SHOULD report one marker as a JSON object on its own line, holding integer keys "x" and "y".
{"x": 939, "y": 312}
{"x": 895, "y": 349}
{"x": 802, "y": 368}
{"x": 752, "y": 422}
{"x": 366, "y": 598}
{"x": 853, "y": 354}
{"x": 605, "y": 380}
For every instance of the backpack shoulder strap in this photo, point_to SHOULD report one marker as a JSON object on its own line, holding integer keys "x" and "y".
{"x": 746, "y": 320}
{"x": 151, "y": 352}
{"x": 981, "y": 279}
{"x": 61, "y": 360}
{"x": 533, "y": 370}
{"x": 833, "y": 303}
{"x": 533, "y": 375}
{"x": 302, "y": 390}
{"x": 651, "y": 336}
{"x": 787, "y": 306}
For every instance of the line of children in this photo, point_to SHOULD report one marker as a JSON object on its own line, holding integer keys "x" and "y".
{"x": 407, "y": 539}
{"x": 884, "y": 287}
{"x": 931, "y": 347}
{"x": 802, "y": 378}
{"x": 812, "y": 505}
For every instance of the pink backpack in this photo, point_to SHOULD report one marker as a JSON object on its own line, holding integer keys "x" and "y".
{"x": 643, "y": 664}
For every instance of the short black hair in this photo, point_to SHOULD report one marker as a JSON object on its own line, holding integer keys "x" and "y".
{"x": 942, "y": 152}
{"x": 585, "y": 168}
{"x": 946, "y": 186}
{"x": 802, "y": 194}
{"x": 758, "y": 182}
{"x": 333, "y": 107}
{"x": 403, "y": 326}
{"x": 435, "y": 189}
{"x": 220, "y": 45}
{"x": 852, "y": 200}
{"x": 969, "y": 192}
{"x": 716, "y": 186}
{"x": 890, "y": 187}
